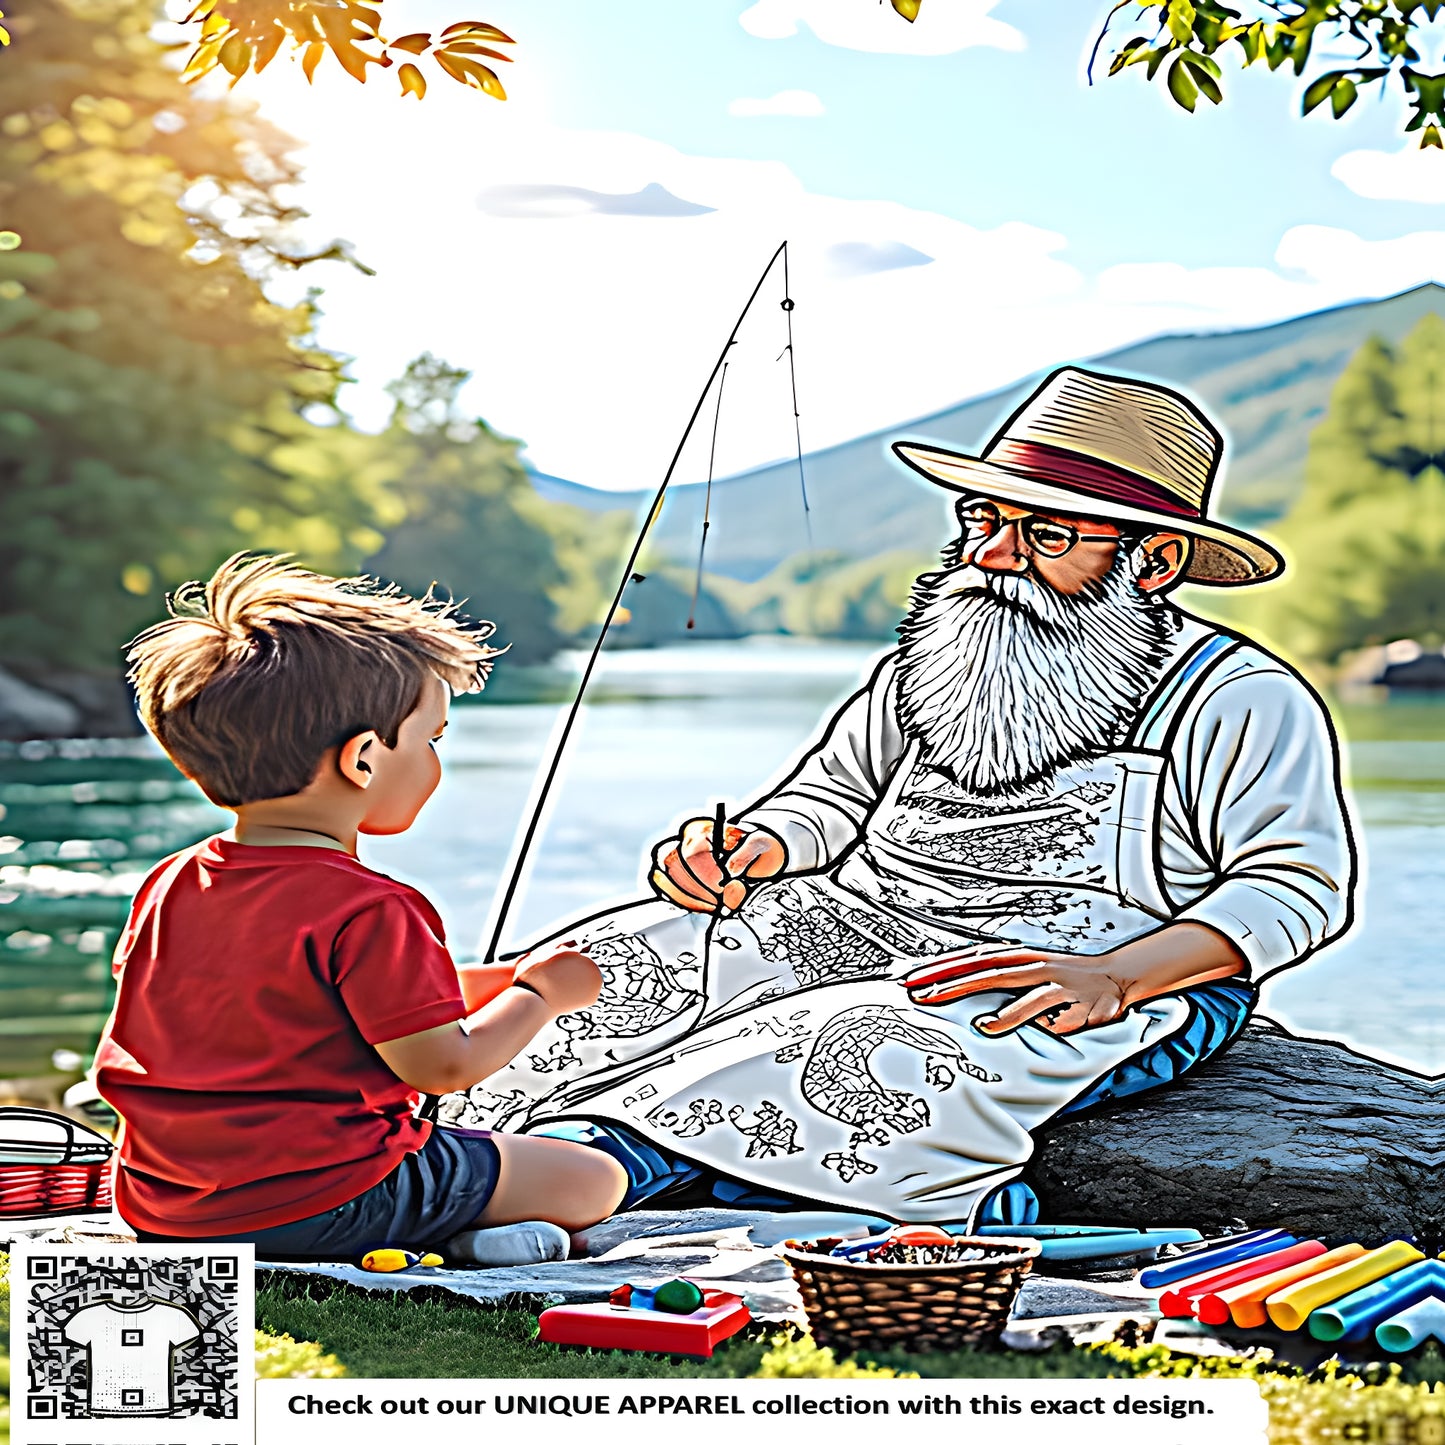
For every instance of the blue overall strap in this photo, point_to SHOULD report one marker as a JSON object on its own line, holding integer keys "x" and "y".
{"x": 1151, "y": 732}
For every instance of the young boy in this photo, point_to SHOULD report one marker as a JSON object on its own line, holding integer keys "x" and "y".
{"x": 281, "y": 1005}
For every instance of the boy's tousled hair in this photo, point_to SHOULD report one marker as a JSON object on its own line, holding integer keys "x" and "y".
{"x": 259, "y": 671}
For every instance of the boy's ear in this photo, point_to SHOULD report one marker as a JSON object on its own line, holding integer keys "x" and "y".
{"x": 352, "y": 760}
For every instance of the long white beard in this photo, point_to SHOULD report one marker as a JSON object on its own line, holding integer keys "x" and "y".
{"x": 1004, "y": 680}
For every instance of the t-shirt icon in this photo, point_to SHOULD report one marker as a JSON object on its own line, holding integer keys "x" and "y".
{"x": 129, "y": 1348}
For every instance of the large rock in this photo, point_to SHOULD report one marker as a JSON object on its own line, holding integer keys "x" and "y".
{"x": 1276, "y": 1131}
{"x": 30, "y": 712}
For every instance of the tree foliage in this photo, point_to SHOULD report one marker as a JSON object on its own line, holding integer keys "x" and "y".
{"x": 131, "y": 370}
{"x": 1367, "y": 536}
{"x": 1186, "y": 36}
{"x": 158, "y": 411}
{"x": 461, "y": 494}
{"x": 241, "y": 35}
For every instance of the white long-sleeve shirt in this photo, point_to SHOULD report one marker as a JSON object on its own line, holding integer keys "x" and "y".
{"x": 1252, "y": 839}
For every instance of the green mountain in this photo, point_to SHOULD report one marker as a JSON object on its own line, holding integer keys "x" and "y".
{"x": 1266, "y": 387}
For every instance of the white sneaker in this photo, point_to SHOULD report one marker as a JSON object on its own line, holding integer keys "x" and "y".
{"x": 532, "y": 1242}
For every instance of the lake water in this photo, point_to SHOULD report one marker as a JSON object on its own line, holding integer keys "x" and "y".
{"x": 667, "y": 735}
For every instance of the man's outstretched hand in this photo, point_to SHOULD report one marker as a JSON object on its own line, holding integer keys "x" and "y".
{"x": 686, "y": 872}
{"x": 1061, "y": 992}
{"x": 1066, "y": 992}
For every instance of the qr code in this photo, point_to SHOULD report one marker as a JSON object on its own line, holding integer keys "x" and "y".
{"x": 131, "y": 1337}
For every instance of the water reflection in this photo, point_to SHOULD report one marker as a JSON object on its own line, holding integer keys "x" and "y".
{"x": 672, "y": 732}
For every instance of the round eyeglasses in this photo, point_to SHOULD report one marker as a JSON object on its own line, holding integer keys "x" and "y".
{"x": 982, "y": 520}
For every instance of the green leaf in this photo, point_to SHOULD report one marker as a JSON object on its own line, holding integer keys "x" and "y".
{"x": 1182, "y": 86}
{"x": 1343, "y": 97}
{"x": 1156, "y": 59}
{"x": 1181, "y": 20}
{"x": 1320, "y": 89}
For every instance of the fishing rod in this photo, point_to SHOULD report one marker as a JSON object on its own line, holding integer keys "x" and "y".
{"x": 563, "y": 736}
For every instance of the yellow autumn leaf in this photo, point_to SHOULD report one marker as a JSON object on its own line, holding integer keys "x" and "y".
{"x": 470, "y": 47}
{"x": 476, "y": 30}
{"x": 236, "y": 56}
{"x": 908, "y": 9}
{"x": 267, "y": 47}
{"x": 202, "y": 61}
{"x": 471, "y": 73}
{"x": 412, "y": 81}
{"x": 413, "y": 44}
{"x": 312, "y": 58}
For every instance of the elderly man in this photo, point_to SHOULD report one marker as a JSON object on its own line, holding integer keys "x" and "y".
{"x": 1039, "y": 860}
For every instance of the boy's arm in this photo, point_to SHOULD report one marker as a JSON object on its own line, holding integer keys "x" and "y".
{"x": 455, "y": 1056}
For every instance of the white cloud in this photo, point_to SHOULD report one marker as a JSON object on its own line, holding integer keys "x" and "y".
{"x": 1340, "y": 261}
{"x": 942, "y": 27}
{"x": 785, "y": 102}
{"x": 1410, "y": 174}
{"x": 589, "y": 280}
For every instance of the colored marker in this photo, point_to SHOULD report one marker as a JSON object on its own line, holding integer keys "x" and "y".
{"x": 1182, "y": 1301}
{"x": 1289, "y": 1308}
{"x": 1353, "y": 1316}
{"x": 1244, "y": 1303}
{"x": 1106, "y": 1246}
{"x": 1413, "y": 1326}
{"x": 1231, "y": 1251}
{"x": 388, "y": 1261}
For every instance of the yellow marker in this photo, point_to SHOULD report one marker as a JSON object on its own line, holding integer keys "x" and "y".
{"x": 1245, "y": 1302}
{"x": 1291, "y": 1307}
{"x": 388, "y": 1261}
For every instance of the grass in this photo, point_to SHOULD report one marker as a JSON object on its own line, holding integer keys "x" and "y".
{"x": 428, "y": 1334}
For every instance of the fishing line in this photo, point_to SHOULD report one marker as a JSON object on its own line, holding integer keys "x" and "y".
{"x": 707, "y": 502}
{"x": 793, "y": 382}
{"x": 524, "y": 845}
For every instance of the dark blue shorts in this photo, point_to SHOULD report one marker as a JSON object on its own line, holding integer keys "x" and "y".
{"x": 431, "y": 1195}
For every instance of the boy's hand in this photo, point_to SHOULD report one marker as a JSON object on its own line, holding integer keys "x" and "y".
{"x": 566, "y": 981}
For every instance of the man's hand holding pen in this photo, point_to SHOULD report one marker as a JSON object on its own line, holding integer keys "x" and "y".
{"x": 708, "y": 873}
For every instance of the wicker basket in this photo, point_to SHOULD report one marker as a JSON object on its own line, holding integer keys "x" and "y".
{"x": 856, "y": 1305}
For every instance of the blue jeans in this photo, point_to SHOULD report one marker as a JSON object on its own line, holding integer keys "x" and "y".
{"x": 1218, "y": 1011}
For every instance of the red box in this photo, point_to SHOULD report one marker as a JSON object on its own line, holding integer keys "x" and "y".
{"x": 613, "y": 1327}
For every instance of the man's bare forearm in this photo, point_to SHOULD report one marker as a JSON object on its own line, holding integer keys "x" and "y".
{"x": 1175, "y": 957}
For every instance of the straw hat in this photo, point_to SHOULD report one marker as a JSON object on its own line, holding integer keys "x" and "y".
{"x": 1129, "y": 451}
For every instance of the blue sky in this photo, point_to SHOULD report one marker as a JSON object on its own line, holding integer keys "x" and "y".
{"x": 958, "y": 217}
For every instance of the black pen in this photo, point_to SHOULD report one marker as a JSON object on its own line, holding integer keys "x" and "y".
{"x": 719, "y": 850}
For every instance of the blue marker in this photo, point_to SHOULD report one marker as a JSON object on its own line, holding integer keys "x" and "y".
{"x": 1234, "y": 1251}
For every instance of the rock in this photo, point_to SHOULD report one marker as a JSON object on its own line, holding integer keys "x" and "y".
{"x": 29, "y": 712}
{"x": 1043, "y": 1298}
{"x": 1275, "y": 1132}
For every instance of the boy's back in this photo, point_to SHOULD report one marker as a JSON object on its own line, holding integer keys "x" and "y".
{"x": 280, "y": 1007}
{"x": 255, "y": 982}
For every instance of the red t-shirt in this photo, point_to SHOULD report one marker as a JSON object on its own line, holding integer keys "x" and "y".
{"x": 253, "y": 983}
